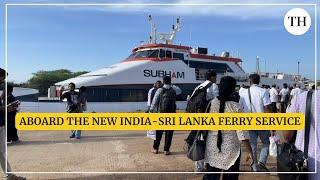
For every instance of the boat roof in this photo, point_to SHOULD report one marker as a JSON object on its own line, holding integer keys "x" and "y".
{"x": 145, "y": 46}
{"x": 187, "y": 49}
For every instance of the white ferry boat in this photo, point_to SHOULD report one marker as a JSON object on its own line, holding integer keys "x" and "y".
{"x": 130, "y": 79}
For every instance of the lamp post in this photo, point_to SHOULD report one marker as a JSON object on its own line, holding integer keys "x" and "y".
{"x": 257, "y": 65}
{"x": 298, "y": 68}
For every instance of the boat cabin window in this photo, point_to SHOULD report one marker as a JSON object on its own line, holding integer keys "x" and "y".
{"x": 178, "y": 55}
{"x": 132, "y": 55}
{"x": 162, "y": 53}
{"x": 145, "y": 54}
{"x": 128, "y": 93}
{"x": 156, "y": 53}
{"x": 168, "y": 54}
{"x": 220, "y": 68}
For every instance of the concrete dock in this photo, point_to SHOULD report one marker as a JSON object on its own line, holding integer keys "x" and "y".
{"x": 105, "y": 153}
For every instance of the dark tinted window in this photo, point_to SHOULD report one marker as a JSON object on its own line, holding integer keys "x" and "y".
{"x": 129, "y": 93}
{"x": 168, "y": 54}
{"x": 145, "y": 54}
{"x": 218, "y": 67}
{"x": 178, "y": 55}
{"x": 162, "y": 53}
{"x": 153, "y": 53}
{"x": 132, "y": 55}
{"x": 116, "y": 95}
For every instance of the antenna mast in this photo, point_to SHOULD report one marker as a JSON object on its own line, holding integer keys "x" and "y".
{"x": 168, "y": 38}
{"x": 153, "y": 33}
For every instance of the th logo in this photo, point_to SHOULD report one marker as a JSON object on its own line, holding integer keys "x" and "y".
{"x": 298, "y": 20}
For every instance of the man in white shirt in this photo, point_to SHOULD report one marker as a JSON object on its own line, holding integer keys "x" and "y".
{"x": 256, "y": 99}
{"x": 274, "y": 98}
{"x": 152, "y": 92}
{"x": 213, "y": 90}
{"x": 295, "y": 92}
{"x": 299, "y": 104}
{"x": 242, "y": 88}
{"x": 284, "y": 98}
{"x": 265, "y": 87}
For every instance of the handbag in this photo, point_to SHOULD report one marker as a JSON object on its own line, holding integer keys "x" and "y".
{"x": 197, "y": 149}
{"x": 189, "y": 141}
{"x": 151, "y": 134}
{"x": 274, "y": 140}
{"x": 291, "y": 159}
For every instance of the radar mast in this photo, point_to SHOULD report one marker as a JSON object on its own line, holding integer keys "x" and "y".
{"x": 166, "y": 38}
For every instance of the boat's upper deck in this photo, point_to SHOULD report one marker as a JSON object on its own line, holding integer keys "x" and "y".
{"x": 174, "y": 52}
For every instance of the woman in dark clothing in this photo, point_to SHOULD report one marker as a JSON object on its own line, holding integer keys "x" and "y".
{"x": 12, "y": 135}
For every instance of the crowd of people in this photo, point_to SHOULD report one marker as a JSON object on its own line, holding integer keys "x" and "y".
{"x": 223, "y": 148}
{"x": 281, "y": 98}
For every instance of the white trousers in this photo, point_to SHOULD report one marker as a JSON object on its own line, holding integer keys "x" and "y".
{"x": 3, "y": 143}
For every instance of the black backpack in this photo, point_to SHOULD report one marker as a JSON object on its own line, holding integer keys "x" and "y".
{"x": 167, "y": 103}
{"x": 198, "y": 102}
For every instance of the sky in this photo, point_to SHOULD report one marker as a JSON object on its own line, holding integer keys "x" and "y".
{"x": 86, "y": 38}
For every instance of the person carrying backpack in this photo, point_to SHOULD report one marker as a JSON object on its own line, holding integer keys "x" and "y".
{"x": 201, "y": 96}
{"x": 203, "y": 93}
{"x": 198, "y": 103}
{"x": 164, "y": 101}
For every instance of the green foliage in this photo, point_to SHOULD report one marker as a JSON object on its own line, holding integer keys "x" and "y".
{"x": 42, "y": 80}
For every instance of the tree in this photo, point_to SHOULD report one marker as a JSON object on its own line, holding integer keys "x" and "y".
{"x": 42, "y": 80}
